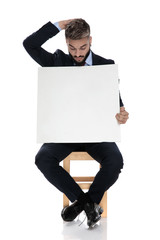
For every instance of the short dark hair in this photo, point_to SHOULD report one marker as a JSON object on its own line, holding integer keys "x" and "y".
{"x": 77, "y": 29}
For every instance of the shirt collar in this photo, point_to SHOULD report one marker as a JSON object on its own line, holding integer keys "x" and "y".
{"x": 89, "y": 60}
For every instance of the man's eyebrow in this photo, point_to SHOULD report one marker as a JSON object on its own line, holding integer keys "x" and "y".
{"x": 80, "y": 46}
{"x": 84, "y": 45}
{"x": 71, "y": 45}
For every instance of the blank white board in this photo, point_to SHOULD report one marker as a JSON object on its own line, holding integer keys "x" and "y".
{"x": 78, "y": 104}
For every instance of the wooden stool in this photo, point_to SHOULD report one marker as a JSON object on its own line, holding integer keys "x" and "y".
{"x": 66, "y": 166}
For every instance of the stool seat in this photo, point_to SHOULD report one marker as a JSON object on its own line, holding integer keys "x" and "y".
{"x": 83, "y": 182}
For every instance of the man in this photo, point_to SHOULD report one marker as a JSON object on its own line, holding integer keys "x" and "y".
{"x": 78, "y": 39}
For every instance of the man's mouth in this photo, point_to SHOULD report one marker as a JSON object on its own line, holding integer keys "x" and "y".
{"x": 79, "y": 59}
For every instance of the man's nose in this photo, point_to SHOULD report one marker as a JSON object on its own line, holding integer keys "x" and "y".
{"x": 78, "y": 53}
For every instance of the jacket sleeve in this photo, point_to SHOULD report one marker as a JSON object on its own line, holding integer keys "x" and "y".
{"x": 120, "y": 100}
{"x": 33, "y": 44}
{"x": 110, "y": 61}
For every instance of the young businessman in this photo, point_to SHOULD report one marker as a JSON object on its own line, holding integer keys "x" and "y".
{"x": 78, "y": 40}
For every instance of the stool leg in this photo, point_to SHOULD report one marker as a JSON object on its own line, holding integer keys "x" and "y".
{"x": 103, "y": 204}
{"x": 65, "y": 201}
{"x": 66, "y": 166}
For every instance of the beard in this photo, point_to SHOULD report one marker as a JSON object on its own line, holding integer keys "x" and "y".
{"x": 82, "y": 62}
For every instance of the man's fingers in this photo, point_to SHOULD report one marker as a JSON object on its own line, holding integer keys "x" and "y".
{"x": 121, "y": 118}
{"x": 124, "y": 113}
{"x": 121, "y": 121}
{"x": 122, "y": 108}
{"x": 63, "y": 23}
{"x": 125, "y": 116}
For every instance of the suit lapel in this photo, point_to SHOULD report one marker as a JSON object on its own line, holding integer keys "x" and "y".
{"x": 94, "y": 59}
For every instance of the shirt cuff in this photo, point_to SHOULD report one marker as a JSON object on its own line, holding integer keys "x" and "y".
{"x": 57, "y": 25}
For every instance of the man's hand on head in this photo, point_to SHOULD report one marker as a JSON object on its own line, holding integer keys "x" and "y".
{"x": 123, "y": 116}
{"x": 64, "y": 23}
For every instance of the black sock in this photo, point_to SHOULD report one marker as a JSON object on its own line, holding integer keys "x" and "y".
{"x": 84, "y": 198}
{"x": 88, "y": 197}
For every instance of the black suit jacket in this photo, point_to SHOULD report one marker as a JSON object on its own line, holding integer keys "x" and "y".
{"x": 33, "y": 44}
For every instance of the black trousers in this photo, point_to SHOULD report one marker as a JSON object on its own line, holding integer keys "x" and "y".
{"x": 106, "y": 153}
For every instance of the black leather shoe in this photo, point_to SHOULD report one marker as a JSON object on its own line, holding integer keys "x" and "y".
{"x": 71, "y": 212}
{"x": 93, "y": 212}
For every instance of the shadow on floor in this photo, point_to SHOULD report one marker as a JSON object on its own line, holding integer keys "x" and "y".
{"x": 75, "y": 231}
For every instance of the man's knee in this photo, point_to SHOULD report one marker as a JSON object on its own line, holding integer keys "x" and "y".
{"x": 114, "y": 160}
{"x": 118, "y": 160}
{"x": 41, "y": 158}
{"x": 45, "y": 161}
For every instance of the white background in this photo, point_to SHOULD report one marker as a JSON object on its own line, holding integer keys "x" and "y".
{"x": 126, "y": 31}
